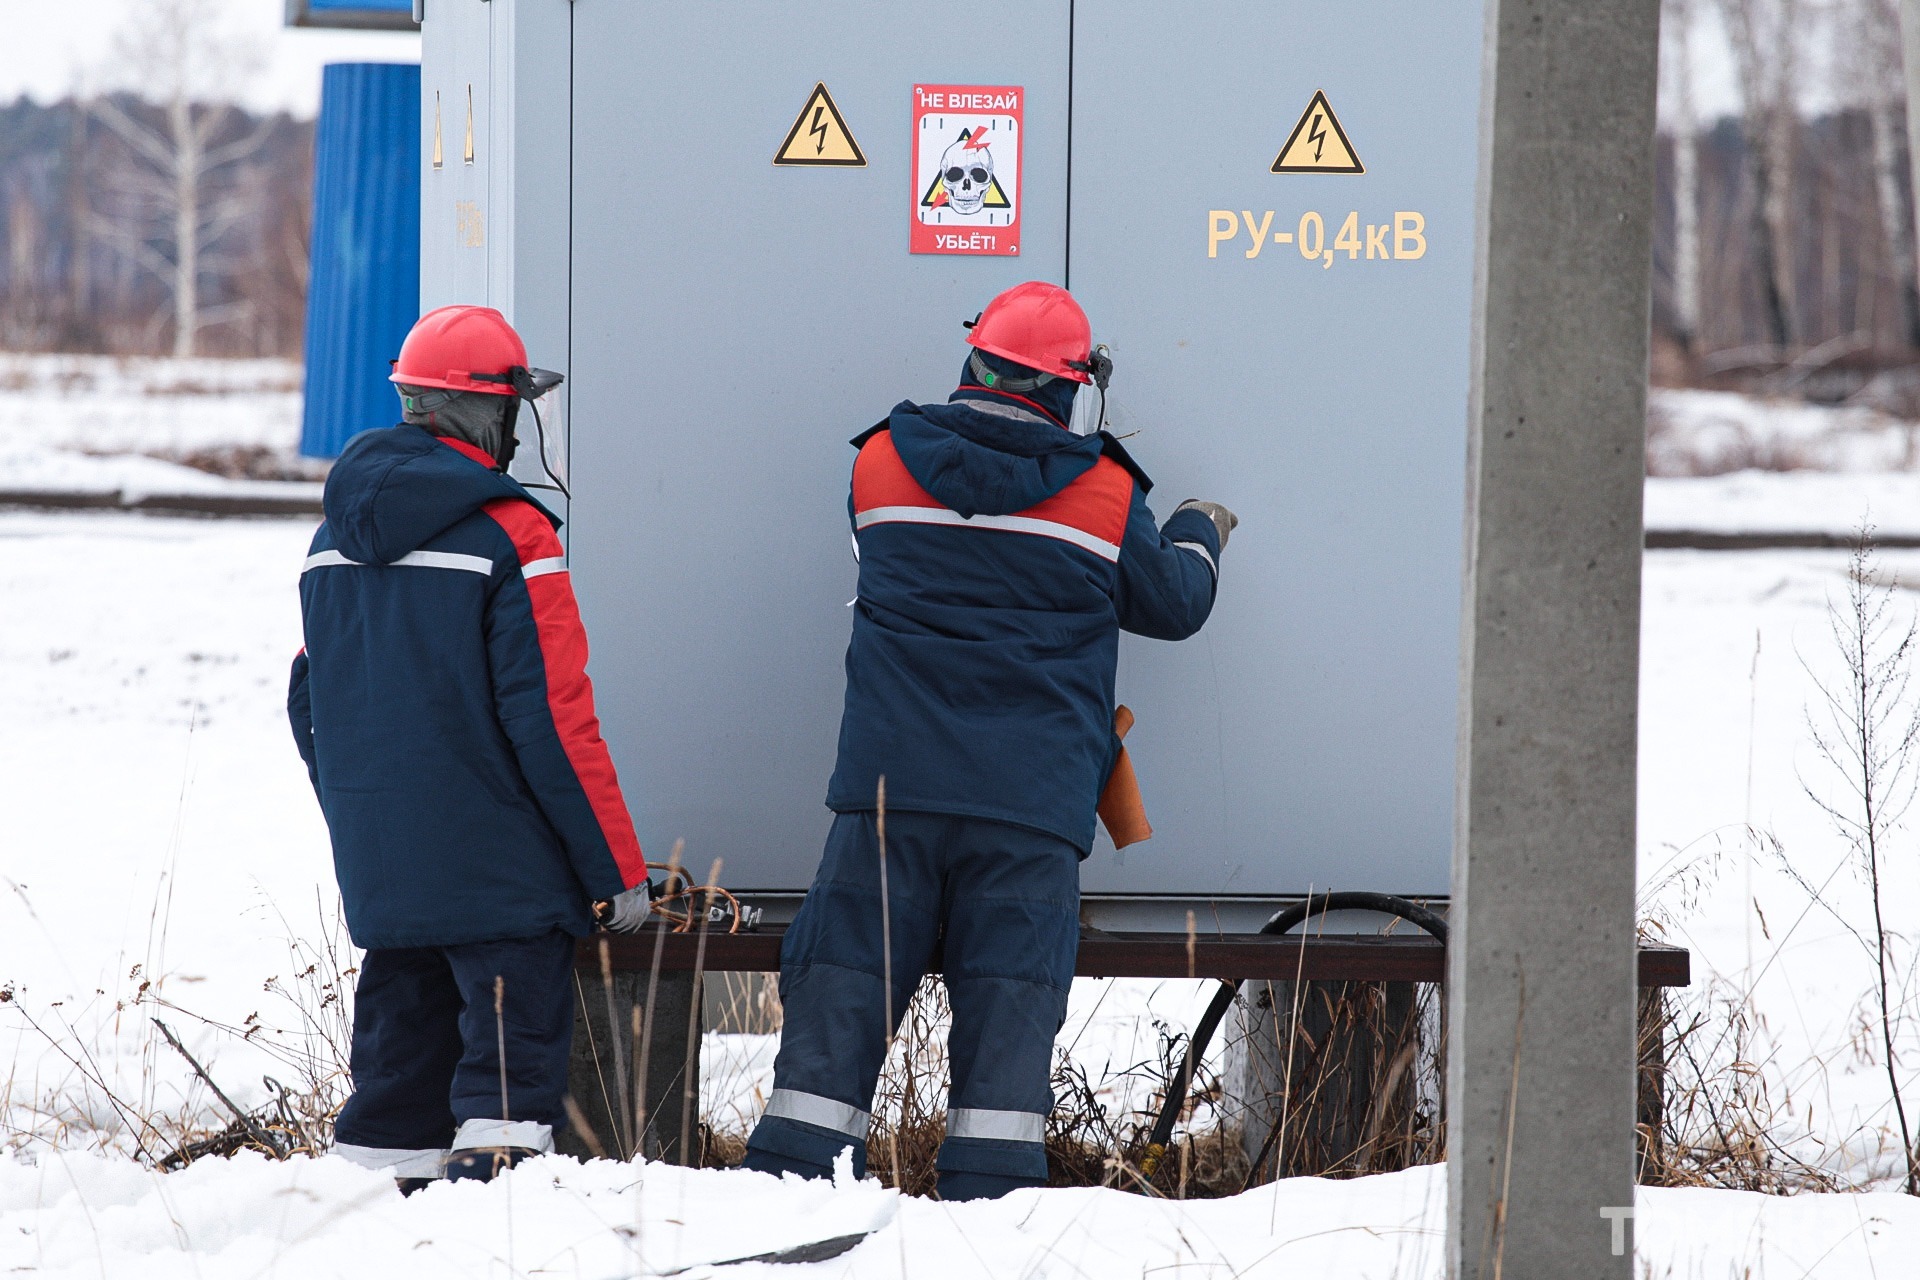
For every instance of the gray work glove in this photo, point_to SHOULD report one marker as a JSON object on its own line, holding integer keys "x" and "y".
{"x": 627, "y": 912}
{"x": 1224, "y": 521}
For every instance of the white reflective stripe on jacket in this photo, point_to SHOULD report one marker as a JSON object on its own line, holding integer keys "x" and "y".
{"x": 411, "y": 560}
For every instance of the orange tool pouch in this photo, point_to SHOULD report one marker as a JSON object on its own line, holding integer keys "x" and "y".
{"x": 1121, "y": 808}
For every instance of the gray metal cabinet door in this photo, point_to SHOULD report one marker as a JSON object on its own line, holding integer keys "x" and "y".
{"x": 734, "y": 325}
{"x": 457, "y": 147}
{"x": 1306, "y": 737}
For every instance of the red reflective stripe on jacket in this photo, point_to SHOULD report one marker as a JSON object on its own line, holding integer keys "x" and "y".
{"x": 880, "y": 479}
{"x": 563, "y": 647}
{"x": 1097, "y": 503}
{"x": 472, "y": 451}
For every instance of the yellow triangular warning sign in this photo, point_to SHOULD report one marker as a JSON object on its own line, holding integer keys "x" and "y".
{"x": 819, "y": 136}
{"x": 1318, "y": 144}
{"x": 937, "y": 193}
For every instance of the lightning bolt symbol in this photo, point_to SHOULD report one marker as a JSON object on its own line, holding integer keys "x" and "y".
{"x": 938, "y": 200}
{"x": 978, "y": 139}
{"x": 819, "y": 129}
{"x": 1317, "y": 135}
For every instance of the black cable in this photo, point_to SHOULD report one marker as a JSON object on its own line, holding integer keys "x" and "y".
{"x": 540, "y": 430}
{"x": 1351, "y": 900}
{"x": 1066, "y": 263}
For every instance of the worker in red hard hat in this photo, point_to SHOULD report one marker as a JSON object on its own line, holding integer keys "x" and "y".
{"x": 443, "y": 709}
{"x": 456, "y": 375}
{"x": 1001, "y": 555}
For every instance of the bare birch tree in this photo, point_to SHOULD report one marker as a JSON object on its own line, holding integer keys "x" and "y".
{"x": 1874, "y": 44}
{"x": 172, "y": 208}
{"x": 1766, "y": 37}
{"x": 1676, "y": 28}
{"x": 24, "y": 313}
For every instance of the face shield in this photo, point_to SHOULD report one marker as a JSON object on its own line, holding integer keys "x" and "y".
{"x": 534, "y": 388}
{"x": 1090, "y": 406}
{"x": 1086, "y": 413}
{"x": 541, "y": 388}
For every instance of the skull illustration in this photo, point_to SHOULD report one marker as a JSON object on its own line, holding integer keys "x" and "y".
{"x": 967, "y": 168}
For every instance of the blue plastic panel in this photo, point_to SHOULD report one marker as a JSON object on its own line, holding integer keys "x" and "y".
{"x": 372, "y": 15}
{"x": 363, "y": 293}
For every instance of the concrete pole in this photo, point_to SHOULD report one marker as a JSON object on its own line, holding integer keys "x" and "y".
{"x": 1541, "y": 985}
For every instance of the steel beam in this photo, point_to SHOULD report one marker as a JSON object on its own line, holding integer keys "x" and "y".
{"x": 1312, "y": 957}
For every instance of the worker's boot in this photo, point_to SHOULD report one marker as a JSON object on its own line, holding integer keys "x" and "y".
{"x": 956, "y": 1184}
{"x": 778, "y": 1164}
{"x": 483, "y": 1164}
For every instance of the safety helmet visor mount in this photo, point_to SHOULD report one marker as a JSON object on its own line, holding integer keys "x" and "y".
{"x": 520, "y": 380}
{"x": 1098, "y": 366}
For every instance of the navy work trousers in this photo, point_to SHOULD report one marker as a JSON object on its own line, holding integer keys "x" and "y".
{"x": 426, "y": 1040}
{"x": 1000, "y": 906}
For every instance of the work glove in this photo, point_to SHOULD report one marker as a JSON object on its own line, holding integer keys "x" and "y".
{"x": 1224, "y": 521}
{"x": 626, "y": 912}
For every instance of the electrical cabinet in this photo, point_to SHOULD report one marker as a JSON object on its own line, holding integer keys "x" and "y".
{"x": 1294, "y": 345}
{"x": 1267, "y": 211}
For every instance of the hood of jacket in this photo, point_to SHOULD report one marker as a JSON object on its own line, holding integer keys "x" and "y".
{"x": 992, "y": 458}
{"x": 395, "y": 488}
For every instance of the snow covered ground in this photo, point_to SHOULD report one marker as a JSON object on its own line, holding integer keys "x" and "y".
{"x": 96, "y": 424}
{"x": 1787, "y": 502}
{"x": 79, "y": 1215}
{"x": 157, "y": 817}
{"x": 159, "y": 830}
{"x": 1732, "y": 645}
{"x": 103, "y": 404}
{"x": 1701, "y": 433}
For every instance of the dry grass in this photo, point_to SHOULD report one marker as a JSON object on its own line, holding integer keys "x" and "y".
{"x": 248, "y": 462}
{"x": 1717, "y": 1125}
{"x": 306, "y": 1028}
{"x": 1089, "y": 1142}
{"x": 1362, "y": 1094}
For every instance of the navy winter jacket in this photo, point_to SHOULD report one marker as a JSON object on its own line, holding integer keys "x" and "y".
{"x": 1000, "y": 557}
{"x": 443, "y": 708}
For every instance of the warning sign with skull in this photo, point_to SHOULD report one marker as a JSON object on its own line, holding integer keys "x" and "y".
{"x": 966, "y": 169}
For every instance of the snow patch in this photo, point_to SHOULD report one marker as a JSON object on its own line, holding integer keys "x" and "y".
{"x": 103, "y": 404}
{"x": 1787, "y": 502}
{"x": 1701, "y": 433}
{"x": 86, "y": 1216}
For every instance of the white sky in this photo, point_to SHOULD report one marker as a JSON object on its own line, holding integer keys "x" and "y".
{"x": 49, "y": 47}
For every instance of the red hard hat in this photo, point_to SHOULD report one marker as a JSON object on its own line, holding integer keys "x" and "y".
{"x": 1038, "y": 325}
{"x": 461, "y": 348}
